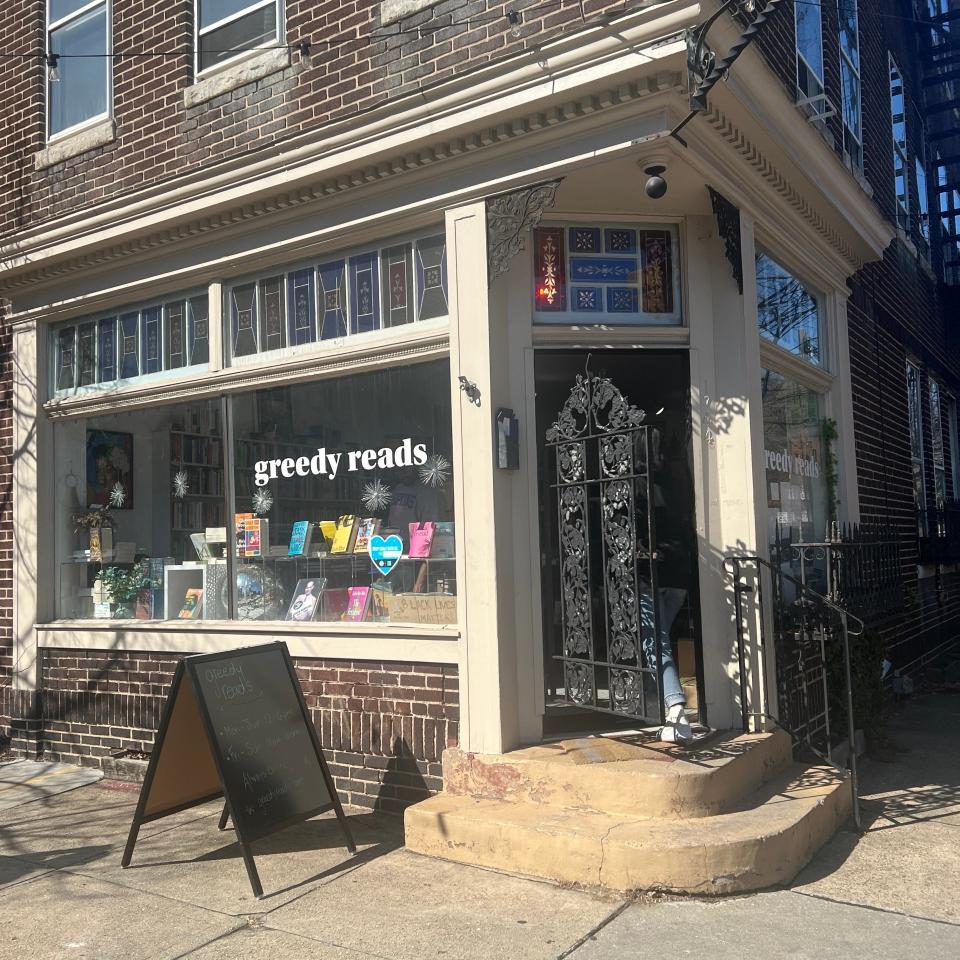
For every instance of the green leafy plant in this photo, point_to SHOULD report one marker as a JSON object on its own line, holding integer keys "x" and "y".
{"x": 124, "y": 586}
{"x": 828, "y": 431}
{"x": 869, "y": 703}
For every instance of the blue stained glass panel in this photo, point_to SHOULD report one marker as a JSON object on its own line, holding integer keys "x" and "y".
{"x": 175, "y": 341}
{"x": 620, "y": 240}
{"x": 585, "y": 240}
{"x": 150, "y": 340}
{"x": 87, "y": 354}
{"x": 364, "y": 293}
{"x": 333, "y": 300}
{"x": 431, "y": 264}
{"x": 623, "y": 300}
{"x": 604, "y": 269}
{"x": 107, "y": 358}
{"x": 587, "y": 299}
{"x": 301, "y": 308}
{"x": 129, "y": 354}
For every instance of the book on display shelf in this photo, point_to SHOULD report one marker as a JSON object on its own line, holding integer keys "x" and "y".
{"x": 346, "y": 534}
{"x": 307, "y": 600}
{"x": 421, "y": 539}
{"x": 300, "y": 538}
{"x": 359, "y": 602}
{"x": 192, "y": 604}
{"x": 366, "y": 528}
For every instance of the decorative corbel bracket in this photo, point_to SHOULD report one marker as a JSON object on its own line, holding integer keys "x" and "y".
{"x": 510, "y": 216}
{"x": 728, "y": 225}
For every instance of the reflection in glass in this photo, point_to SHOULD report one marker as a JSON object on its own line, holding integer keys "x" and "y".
{"x": 786, "y": 311}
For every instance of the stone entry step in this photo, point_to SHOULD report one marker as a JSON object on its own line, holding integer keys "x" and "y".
{"x": 767, "y": 841}
{"x": 635, "y": 775}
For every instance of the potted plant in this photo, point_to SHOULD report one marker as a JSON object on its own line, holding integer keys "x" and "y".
{"x": 123, "y": 587}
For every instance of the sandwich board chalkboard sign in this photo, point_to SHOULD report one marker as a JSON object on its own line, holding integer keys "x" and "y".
{"x": 235, "y": 725}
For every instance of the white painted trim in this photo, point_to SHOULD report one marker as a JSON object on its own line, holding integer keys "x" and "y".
{"x": 613, "y": 53}
{"x": 388, "y": 643}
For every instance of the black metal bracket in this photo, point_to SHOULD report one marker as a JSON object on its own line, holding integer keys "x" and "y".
{"x": 728, "y": 225}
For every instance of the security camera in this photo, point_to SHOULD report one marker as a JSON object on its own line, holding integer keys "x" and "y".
{"x": 656, "y": 186}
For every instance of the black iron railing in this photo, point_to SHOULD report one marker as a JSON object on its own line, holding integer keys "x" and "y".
{"x": 807, "y": 627}
{"x": 857, "y": 567}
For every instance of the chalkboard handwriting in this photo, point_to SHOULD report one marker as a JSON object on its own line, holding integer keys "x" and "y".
{"x": 230, "y": 684}
{"x": 285, "y": 737}
{"x": 237, "y": 752}
{"x": 277, "y": 792}
{"x": 271, "y": 770}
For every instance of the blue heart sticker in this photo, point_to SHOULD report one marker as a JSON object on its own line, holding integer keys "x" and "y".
{"x": 385, "y": 552}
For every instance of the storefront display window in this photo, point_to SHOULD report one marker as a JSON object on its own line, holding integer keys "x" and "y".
{"x": 137, "y": 494}
{"x": 797, "y": 495}
{"x": 787, "y": 311}
{"x": 342, "y": 506}
{"x": 344, "y": 296}
{"x": 131, "y": 344}
{"x": 606, "y": 274}
{"x": 344, "y": 499}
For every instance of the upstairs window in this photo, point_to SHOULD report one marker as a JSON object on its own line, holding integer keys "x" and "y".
{"x": 809, "y": 52}
{"x": 915, "y": 422}
{"x": 850, "y": 79}
{"x": 787, "y": 312}
{"x": 899, "y": 131}
{"x": 226, "y": 29}
{"x": 78, "y": 44}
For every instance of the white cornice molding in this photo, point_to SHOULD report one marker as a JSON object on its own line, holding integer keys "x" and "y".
{"x": 365, "y": 148}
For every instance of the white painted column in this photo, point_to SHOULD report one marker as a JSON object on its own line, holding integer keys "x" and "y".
{"x": 728, "y": 443}
{"x": 33, "y": 565}
{"x": 484, "y": 495}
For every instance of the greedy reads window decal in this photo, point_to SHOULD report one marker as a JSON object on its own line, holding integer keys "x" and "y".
{"x": 324, "y": 464}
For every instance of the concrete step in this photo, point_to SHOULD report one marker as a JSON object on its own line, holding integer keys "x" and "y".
{"x": 766, "y": 842}
{"x": 630, "y": 774}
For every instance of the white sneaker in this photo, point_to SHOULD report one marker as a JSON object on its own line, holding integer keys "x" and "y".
{"x": 677, "y": 728}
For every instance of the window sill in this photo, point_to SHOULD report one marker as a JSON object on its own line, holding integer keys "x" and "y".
{"x": 236, "y": 74}
{"x": 74, "y": 144}
{"x": 393, "y": 10}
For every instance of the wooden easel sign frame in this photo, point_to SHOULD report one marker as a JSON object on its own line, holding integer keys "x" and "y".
{"x": 236, "y": 725}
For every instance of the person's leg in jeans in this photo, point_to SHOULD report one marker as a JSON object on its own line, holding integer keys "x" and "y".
{"x": 671, "y": 599}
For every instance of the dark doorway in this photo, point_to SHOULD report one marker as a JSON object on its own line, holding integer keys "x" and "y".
{"x": 658, "y": 383}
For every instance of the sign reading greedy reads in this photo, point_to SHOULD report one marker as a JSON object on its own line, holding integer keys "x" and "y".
{"x": 323, "y": 464}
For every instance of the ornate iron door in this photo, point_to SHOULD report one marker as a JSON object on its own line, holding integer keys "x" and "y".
{"x": 604, "y": 459}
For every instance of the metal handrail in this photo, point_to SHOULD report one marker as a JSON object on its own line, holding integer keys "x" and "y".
{"x": 735, "y": 562}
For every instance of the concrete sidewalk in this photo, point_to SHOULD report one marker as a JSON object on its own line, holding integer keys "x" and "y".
{"x": 63, "y": 894}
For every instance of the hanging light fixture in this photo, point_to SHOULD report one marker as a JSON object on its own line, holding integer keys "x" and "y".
{"x": 515, "y": 21}
{"x": 53, "y": 72}
{"x": 303, "y": 48}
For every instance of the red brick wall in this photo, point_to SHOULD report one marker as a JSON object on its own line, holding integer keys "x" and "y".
{"x": 383, "y": 726}
{"x": 365, "y": 65}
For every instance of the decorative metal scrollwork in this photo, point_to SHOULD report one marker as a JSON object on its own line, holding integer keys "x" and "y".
{"x": 728, "y": 225}
{"x": 574, "y": 572}
{"x": 604, "y": 490}
{"x": 509, "y": 217}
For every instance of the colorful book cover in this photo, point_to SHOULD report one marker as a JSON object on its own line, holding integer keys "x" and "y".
{"x": 380, "y": 595}
{"x": 334, "y": 603}
{"x": 240, "y": 519}
{"x": 359, "y": 600}
{"x": 444, "y": 541}
{"x": 366, "y": 529}
{"x": 421, "y": 538}
{"x": 306, "y": 600}
{"x": 344, "y": 537}
{"x": 328, "y": 529}
{"x": 192, "y": 604}
{"x": 256, "y": 543}
{"x": 300, "y": 537}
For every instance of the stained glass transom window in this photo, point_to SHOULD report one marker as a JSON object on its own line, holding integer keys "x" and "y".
{"x": 363, "y": 292}
{"x": 130, "y": 344}
{"x": 606, "y": 274}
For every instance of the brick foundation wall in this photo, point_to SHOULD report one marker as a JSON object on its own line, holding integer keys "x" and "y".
{"x": 383, "y": 726}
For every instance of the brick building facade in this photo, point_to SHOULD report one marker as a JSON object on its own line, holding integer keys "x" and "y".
{"x": 355, "y": 126}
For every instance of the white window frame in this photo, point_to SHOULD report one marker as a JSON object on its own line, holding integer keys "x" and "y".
{"x": 251, "y": 6}
{"x": 52, "y": 25}
{"x": 899, "y": 149}
{"x": 805, "y": 95}
{"x": 857, "y": 161}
